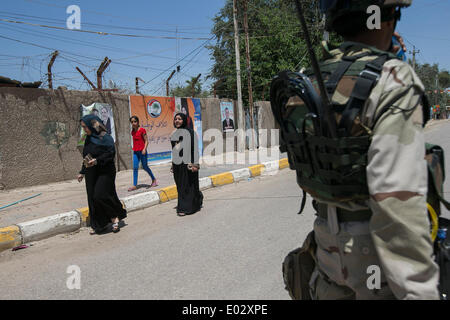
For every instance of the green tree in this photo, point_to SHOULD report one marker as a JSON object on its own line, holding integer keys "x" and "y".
{"x": 435, "y": 81}
{"x": 444, "y": 79}
{"x": 276, "y": 43}
{"x": 186, "y": 91}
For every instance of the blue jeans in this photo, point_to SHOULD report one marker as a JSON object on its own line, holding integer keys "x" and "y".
{"x": 139, "y": 157}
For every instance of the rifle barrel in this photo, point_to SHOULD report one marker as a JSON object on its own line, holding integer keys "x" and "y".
{"x": 323, "y": 93}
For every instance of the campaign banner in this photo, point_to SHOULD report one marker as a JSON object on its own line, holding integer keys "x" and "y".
{"x": 104, "y": 112}
{"x": 227, "y": 116}
{"x": 156, "y": 117}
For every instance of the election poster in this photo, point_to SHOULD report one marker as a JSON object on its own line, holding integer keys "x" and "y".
{"x": 156, "y": 117}
{"x": 227, "y": 116}
{"x": 104, "y": 112}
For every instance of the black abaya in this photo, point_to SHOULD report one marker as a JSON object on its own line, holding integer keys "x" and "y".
{"x": 190, "y": 198}
{"x": 103, "y": 202}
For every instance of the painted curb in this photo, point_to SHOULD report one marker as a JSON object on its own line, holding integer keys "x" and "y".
{"x": 256, "y": 170}
{"x": 271, "y": 168}
{"x": 205, "y": 183}
{"x": 141, "y": 200}
{"x": 42, "y": 228}
{"x": 284, "y": 163}
{"x": 222, "y": 179}
{"x": 10, "y": 237}
{"x": 84, "y": 215}
{"x": 168, "y": 193}
{"x": 240, "y": 174}
{"x": 46, "y": 227}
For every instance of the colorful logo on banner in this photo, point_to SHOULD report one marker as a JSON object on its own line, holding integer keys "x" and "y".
{"x": 154, "y": 108}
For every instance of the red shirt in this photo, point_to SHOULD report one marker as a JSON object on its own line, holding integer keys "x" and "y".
{"x": 138, "y": 139}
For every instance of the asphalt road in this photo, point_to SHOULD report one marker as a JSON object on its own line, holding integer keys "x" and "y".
{"x": 232, "y": 249}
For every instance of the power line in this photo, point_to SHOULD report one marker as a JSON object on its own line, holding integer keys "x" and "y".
{"x": 45, "y": 20}
{"x": 175, "y": 64}
{"x": 102, "y": 13}
{"x": 92, "y": 44}
{"x": 102, "y": 33}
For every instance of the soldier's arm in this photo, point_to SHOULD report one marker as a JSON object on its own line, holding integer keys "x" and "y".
{"x": 397, "y": 180}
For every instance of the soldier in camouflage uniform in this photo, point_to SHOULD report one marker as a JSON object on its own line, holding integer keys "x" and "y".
{"x": 396, "y": 237}
{"x": 390, "y": 229}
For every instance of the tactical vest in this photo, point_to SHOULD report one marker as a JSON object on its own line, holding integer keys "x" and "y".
{"x": 331, "y": 166}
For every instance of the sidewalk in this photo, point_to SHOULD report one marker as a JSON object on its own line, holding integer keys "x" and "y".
{"x": 69, "y": 195}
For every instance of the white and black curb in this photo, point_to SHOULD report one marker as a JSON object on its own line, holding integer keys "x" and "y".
{"x": 46, "y": 227}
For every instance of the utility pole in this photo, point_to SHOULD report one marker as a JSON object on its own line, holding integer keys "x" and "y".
{"x": 414, "y": 57}
{"x": 437, "y": 93}
{"x": 193, "y": 84}
{"x": 249, "y": 75}
{"x": 167, "y": 82}
{"x": 137, "y": 84}
{"x": 241, "y": 123}
{"x": 49, "y": 68}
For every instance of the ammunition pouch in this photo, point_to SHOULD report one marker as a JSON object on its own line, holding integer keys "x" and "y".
{"x": 298, "y": 267}
{"x": 442, "y": 257}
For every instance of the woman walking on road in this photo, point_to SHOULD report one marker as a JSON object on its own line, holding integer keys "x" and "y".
{"x": 140, "y": 143}
{"x": 185, "y": 167}
{"x": 100, "y": 172}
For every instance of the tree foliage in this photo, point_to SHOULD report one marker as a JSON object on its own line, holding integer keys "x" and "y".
{"x": 435, "y": 82}
{"x": 276, "y": 43}
{"x": 186, "y": 91}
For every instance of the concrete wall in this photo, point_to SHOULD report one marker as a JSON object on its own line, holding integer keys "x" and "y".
{"x": 39, "y": 131}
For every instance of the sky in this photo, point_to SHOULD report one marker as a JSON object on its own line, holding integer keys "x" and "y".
{"x": 25, "y": 50}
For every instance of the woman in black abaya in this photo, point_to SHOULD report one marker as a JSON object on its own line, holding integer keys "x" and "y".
{"x": 100, "y": 172}
{"x": 185, "y": 167}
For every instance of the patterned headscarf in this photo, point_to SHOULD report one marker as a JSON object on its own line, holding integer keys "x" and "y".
{"x": 98, "y": 136}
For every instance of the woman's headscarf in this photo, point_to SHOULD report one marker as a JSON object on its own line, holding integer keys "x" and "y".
{"x": 176, "y": 137}
{"x": 99, "y": 135}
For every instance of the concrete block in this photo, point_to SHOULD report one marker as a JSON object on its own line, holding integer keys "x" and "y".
{"x": 42, "y": 228}
{"x": 271, "y": 168}
{"x": 84, "y": 215}
{"x": 141, "y": 200}
{"x": 168, "y": 193}
{"x": 284, "y": 163}
{"x": 256, "y": 170}
{"x": 205, "y": 183}
{"x": 10, "y": 237}
{"x": 222, "y": 179}
{"x": 240, "y": 174}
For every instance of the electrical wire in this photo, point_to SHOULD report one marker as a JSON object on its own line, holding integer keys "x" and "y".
{"x": 102, "y": 33}
{"x": 52, "y": 20}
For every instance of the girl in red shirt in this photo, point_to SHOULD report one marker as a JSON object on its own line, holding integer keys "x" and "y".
{"x": 140, "y": 143}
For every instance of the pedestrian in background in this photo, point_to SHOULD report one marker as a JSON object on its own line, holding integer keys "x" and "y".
{"x": 100, "y": 172}
{"x": 140, "y": 143}
{"x": 185, "y": 167}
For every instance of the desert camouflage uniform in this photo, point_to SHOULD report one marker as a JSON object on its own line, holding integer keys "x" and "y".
{"x": 397, "y": 237}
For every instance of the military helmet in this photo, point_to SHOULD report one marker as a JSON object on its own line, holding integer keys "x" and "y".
{"x": 335, "y": 9}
